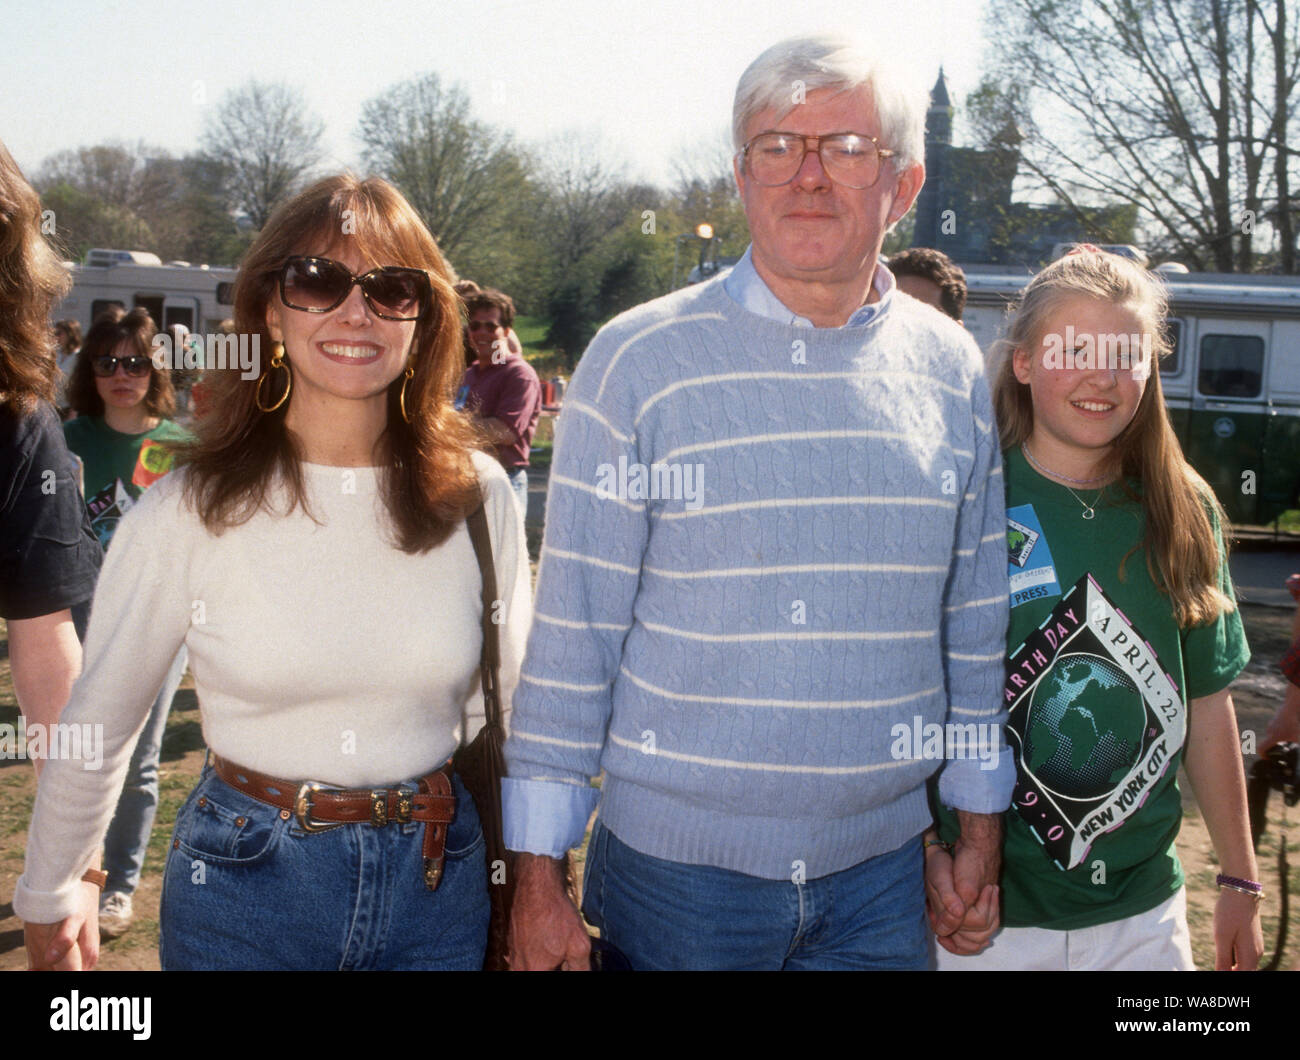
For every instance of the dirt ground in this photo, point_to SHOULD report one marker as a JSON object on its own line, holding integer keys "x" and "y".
{"x": 1256, "y": 693}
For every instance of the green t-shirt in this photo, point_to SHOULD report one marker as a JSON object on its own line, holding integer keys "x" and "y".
{"x": 1097, "y": 685}
{"x": 119, "y": 467}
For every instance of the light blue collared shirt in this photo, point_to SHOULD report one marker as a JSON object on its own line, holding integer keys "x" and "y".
{"x": 747, "y": 289}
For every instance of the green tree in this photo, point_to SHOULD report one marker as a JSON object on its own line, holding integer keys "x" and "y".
{"x": 459, "y": 173}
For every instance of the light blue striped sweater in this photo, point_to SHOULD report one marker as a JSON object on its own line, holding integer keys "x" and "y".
{"x": 769, "y": 551}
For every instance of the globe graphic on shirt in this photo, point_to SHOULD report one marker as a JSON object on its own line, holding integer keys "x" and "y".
{"x": 1084, "y": 730}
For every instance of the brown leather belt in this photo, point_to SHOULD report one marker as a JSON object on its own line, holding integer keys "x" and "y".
{"x": 318, "y": 808}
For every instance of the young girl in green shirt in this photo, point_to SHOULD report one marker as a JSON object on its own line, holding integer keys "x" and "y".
{"x": 1123, "y": 639}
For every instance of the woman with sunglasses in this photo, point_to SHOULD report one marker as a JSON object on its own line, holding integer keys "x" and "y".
{"x": 123, "y": 433}
{"x": 315, "y": 558}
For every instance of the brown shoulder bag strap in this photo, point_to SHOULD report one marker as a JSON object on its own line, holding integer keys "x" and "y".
{"x": 490, "y": 659}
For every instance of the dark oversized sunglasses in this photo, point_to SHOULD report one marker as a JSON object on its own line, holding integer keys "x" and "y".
{"x": 135, "y": 365}
{"x": 317, "y": 285}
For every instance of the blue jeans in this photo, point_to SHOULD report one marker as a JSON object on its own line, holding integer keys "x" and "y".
{"x": 132, "y": 825}
{"x": 246, "y": 888}
{"x": 518, "y": 477}
{"x": 665, "y": 915}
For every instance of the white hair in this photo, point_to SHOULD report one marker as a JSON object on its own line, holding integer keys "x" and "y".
{"x": 780, "y": 77}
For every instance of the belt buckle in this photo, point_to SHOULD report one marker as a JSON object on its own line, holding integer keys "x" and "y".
{"x": 302, "y": 809}
{"x": 404, "y": 805}
{"x": 379, "y": 807}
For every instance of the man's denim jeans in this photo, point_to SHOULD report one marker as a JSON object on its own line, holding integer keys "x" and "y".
{"x": 518, "y": 477}
{"x": 246, "y": 888}
{"x": 665, "y": 915}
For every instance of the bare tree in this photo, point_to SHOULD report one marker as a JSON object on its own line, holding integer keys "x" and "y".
{"x": 459, "y": 173}
{"x": 582, "y": 200}
{"x": 268, "y": 143}
{"x": 1154, "y": 103}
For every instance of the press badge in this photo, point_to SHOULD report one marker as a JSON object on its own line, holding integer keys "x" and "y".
{"x": 1030, "y": 566}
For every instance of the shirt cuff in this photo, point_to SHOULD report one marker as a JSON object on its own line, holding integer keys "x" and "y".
{"x": 44, "y": 907}
{"x": 977, "y": 786}
{"x": 545, "y": 817}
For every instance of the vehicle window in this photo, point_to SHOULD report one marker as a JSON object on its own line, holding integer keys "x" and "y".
{"x": 1231, "y": 366}
{"x": 100, "y": 304}
{"x": 152, "y": 303}
{"x": 225, "y": 294}
{"x": 1173, "y": 359}
{"x": 178, "y": 314}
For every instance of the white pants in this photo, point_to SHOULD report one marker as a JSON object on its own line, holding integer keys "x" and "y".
{"x": 1154, "y": 941}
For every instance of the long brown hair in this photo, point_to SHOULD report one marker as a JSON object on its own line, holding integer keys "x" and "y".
{"x": 32, "y": 279}
{"x": 1179, "y": 539}
{"x": 111, "y": 329}
{"x": 427, "y": 480}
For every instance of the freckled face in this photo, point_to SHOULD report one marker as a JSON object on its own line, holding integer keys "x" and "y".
{"x": 1079, "y": 412}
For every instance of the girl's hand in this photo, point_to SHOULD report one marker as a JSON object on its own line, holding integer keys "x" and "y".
{"x": 957, "y": 928}
{"x": 1238, "y": 938}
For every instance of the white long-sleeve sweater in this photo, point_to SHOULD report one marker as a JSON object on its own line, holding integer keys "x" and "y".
{"x": 320, "y": 651}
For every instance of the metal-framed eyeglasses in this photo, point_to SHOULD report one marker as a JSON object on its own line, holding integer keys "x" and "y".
{"x": 852, "y": 159}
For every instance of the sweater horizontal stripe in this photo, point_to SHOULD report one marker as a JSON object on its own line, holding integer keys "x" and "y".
{"x": 766, "y": 548}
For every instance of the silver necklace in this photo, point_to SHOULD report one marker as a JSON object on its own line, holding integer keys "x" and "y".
{"x": 1089, "y": 510}
{"x": 1056, "y": 474}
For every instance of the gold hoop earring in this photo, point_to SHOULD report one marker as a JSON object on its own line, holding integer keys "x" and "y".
{"x": 401, "y": 394}
{"x": 277, "y": 361}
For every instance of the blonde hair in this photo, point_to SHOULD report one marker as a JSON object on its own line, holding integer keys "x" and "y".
{"x": 1179, "y": 507}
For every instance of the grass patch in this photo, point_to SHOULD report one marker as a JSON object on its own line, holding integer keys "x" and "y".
{"x": 532, "y": 332}
{"x": 1289, "y": 522}
{"x": 546, "y": 361}
{"x": 539, "y": 456}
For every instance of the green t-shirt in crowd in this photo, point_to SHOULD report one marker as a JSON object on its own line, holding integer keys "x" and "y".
{"x": 118, "y": 467}
{"x": 1098, "y": 680}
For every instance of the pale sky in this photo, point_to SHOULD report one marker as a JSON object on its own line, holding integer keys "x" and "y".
{"x": 652, "y": 78}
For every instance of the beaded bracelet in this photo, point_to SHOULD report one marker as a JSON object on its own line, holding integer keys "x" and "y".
{"x": 1236, "y": 883}
{"x": 939, "y": 843}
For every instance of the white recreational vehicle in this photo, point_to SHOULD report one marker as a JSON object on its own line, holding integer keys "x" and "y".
{"x": 197, "y": 296}
{"x": 1231, "y": 384}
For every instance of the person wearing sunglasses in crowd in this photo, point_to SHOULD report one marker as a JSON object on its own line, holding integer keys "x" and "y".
{"x": 314, "y": 557}
{"x": 123, "y": 433}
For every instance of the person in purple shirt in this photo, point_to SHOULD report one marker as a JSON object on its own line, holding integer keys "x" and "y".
{"x": 500, "y": 388}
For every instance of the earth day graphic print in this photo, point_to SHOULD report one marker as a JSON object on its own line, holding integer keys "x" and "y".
{"x": 1094, "y": 722}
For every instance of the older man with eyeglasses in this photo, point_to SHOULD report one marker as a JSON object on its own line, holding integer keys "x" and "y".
{"x": 773, "y": 581}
